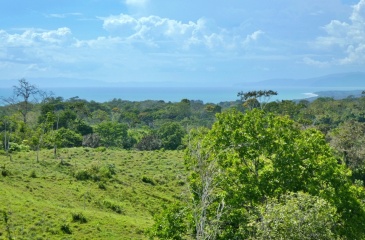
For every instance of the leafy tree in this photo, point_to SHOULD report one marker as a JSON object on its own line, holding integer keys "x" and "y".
{"x": 149, "y": 142}
{"x": 257, "y": 156}
{"x": 64, "y": 138}
{"x": 256, "y": 99}
{"x": 81, "y": 127}
{"x": 262, "y": 155}
{"x": 112, "y": 134}
{"x": 296, "y": 216}
{"x": 348, "y": 140}
{"x": 172, "y": 223}
{"x": 99, "y": 116}
{"x": 171, "y": 135}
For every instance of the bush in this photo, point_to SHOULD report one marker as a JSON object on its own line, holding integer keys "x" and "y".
{"x": 96, "y": 172}
{"x": 115, "y": 207}
{"x": 33, "y": 174}
{"x": 66, "y": 228}
{"x": 79, "y": 217}
{"x": 15, "y": 147}
{"x": 100, "y": 149}
{"x": 4, "y": 172}
{"x": 83, "y": 175}
{"x": 148, "y": 180}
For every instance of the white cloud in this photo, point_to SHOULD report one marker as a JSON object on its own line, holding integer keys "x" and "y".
{"x": 161, "y": 32}
{"x": 253, "y": 37}
{"x": 346, "y": 37}
{"x": 33, "y": 37}
{"x": 62, "y": 15}
{"x": 312, "y": 62}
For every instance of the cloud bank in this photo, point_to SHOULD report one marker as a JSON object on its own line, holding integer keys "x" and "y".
{"x": 345, "y": 38}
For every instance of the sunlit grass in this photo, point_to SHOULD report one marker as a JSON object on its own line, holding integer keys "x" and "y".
{"x": 43, "y": 199}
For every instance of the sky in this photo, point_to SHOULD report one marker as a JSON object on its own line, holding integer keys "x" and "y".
{"x": 181, "y": 42}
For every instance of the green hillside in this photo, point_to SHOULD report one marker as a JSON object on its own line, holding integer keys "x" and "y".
{"x": 92, "y": 194}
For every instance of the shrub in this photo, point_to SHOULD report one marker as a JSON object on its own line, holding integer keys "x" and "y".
{"x": 33, "y": 174}
{"x": 148, "y": 180}
{"x": 115, "y": 207}
{"x": 15, "y": 147}
{"x": 83, "y": 175}
{"x": 96, "y": 172}
{"x": 65, "y": 227}
{"x": 100, "y": 149}
{"x": 4, "y": 172}
{"x": 79, "y": 217}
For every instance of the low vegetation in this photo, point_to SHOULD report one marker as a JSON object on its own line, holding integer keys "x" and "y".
{"x": 91, "y": 194}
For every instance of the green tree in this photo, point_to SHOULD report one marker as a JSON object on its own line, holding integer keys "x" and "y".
{"x": 348, "y": 141}
{"x": 171, "y": 223}
{"x": 171, "y": 135}
{"x": 259, "y": 156}
{"x": 256, "y": 99}
{"x": 63, "y": 138}
{"x": 149, "y": 142}
{"x": 296, "y": 216}
{"x": 262, "y": 155}
{"x": 112, "y": 134}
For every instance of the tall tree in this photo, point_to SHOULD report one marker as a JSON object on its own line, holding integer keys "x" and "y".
{"x": 24, "y": 95}
{"x": 256, "y": 99}
{"x": 257, "y": 156}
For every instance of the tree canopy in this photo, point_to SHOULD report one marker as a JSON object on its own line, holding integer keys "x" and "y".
{"x": 257, "y": 156}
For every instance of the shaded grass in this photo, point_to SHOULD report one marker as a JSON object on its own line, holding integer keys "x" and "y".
{"x": 46, "y": 200}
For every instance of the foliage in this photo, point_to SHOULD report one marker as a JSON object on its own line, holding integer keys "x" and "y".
{"x": 79, "y": 217}
{"x": 171, "y": 223}
{"x": 171, "y": 135}
{"x": 14, "y": 147}
{"x": 256, "y": 156}
{"x": 296, "y": 216}
{"x": 149, "y": 143}
{"x": 255, "y": 99}
{"x": 112, "y": 134}
{"x": 63, "y": 138}
{"x": 96, "y": 172}
{"x": 348, "y": 139}
{"x": 263, "y": 156}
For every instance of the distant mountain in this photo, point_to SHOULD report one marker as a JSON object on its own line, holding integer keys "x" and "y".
{"x": 351, "y": 80}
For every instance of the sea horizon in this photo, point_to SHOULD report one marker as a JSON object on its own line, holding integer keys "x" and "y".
{"x": 171, "y": 94}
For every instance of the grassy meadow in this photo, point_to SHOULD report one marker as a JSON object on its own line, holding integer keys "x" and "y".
{"x": 86, "y": 193}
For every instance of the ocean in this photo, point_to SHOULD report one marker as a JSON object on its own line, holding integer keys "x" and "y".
{"x": 172, "y": 94}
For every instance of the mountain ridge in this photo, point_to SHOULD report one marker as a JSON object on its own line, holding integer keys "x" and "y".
{"x": 339, "y": 80}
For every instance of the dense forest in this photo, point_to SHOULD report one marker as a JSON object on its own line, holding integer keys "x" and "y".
{"x": 254, "y": 169}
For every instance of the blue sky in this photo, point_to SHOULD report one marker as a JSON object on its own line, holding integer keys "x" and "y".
{"x": 181, "y": 41}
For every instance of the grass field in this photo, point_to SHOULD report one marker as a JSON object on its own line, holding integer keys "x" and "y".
{"x": 92, "y": 194}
